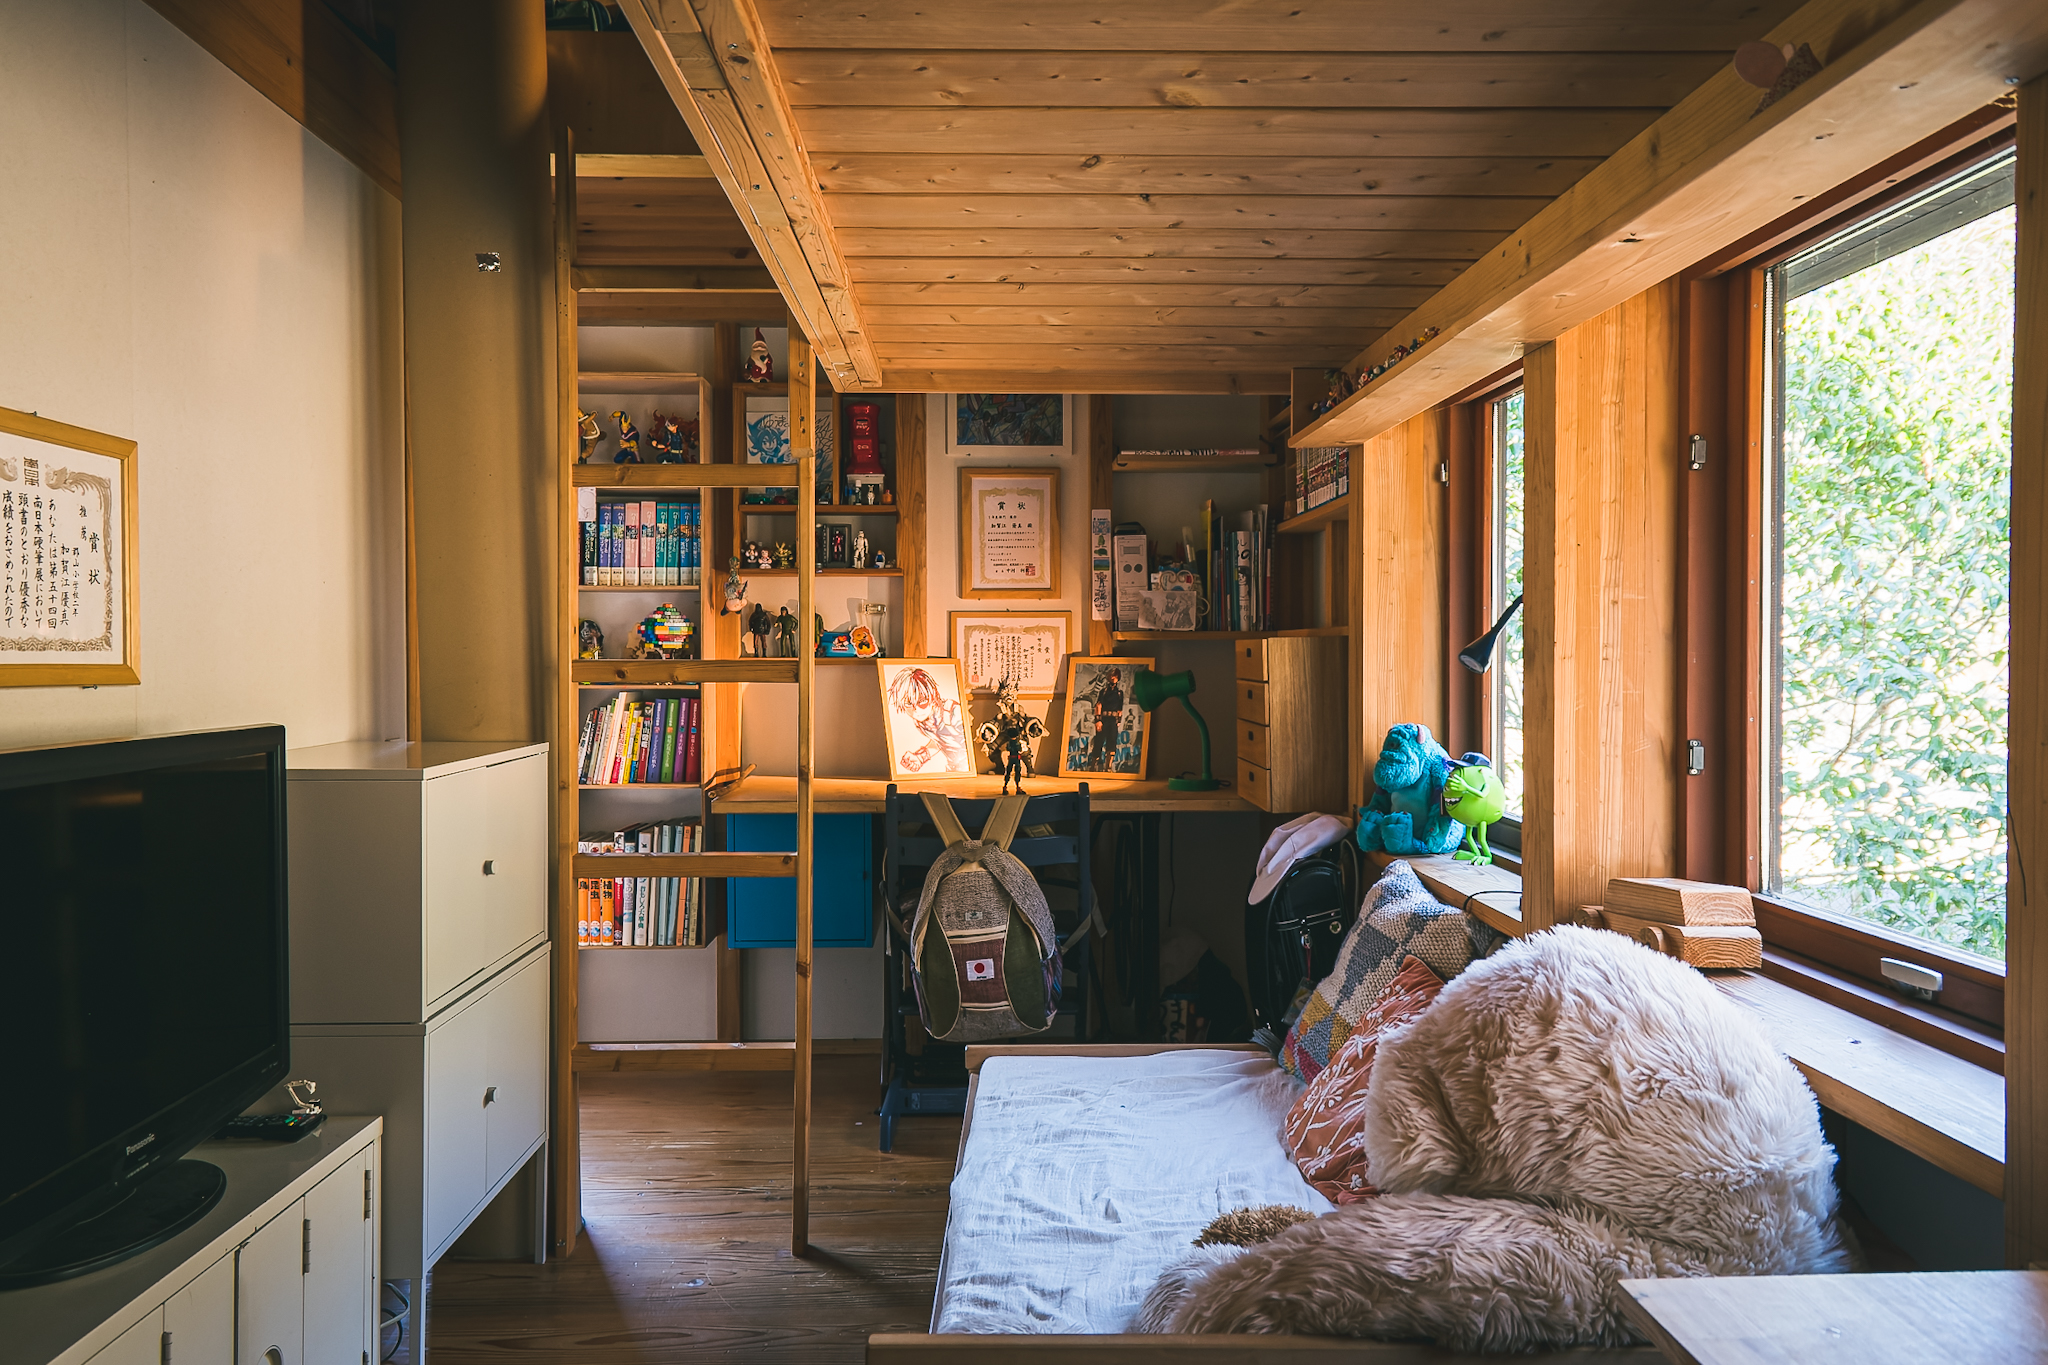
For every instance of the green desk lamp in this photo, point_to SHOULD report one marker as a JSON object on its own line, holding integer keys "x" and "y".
{"x": 1150, "y": 690}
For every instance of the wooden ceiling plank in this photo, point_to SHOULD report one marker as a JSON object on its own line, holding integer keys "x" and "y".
{"x": 925, "y": 173}
{"x": 1273, "y": 25}
{"x": 1006, "y": 277}
{"x": 956, "y": 379}
{"x": 602, "y": 309}
{"x": 622, "y": 166}
{"x": 1312, "y": 311}
{"x": 1143, "y": 355}
{"x": 1185, "y": 212}
{"x": 1209, "y": 132}
{"x": 669, "y": 34}
{"x": 1708, "y": 173}
{"x": 1165, "y": 243}
{"x": 851, "y": 78}
{"x": 1084, "y": 331}
{"x": 673, "y": 279}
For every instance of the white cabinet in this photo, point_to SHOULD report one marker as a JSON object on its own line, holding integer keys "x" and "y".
{"x": 417, "y": 870}
{"x": 304, "y": 1284}
{"x": 420, "y": 967}
{"x": 199, "y": 1320}
{"x": 270, "y": 1305}
{"x": 142, "y": 1344}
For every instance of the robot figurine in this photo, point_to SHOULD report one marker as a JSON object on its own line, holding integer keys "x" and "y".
{"x": 1010, "y": 736}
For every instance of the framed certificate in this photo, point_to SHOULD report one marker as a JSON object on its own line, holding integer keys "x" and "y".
{"x": 70, "y": 586}
{"x": 1027, "y": 646}
{"x": 1009, "y": 533}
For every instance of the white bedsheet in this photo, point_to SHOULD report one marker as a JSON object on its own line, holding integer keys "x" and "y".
{"x": 1084, "y": 1177}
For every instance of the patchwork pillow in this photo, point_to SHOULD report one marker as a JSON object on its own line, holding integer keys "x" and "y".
{"x": 1399, "y": 918}
{"x": 1326, "y": 1127}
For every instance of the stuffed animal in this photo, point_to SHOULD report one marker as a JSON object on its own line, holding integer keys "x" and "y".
{"x": 1474, "y": 797}
{"x": 1406, "y": 813}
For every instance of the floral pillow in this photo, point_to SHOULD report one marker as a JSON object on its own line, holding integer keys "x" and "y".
{"x": 1326, "y": 1127}
{"x": 1399, "y": 918}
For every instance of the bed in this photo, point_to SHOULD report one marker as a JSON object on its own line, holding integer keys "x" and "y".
{"x": 1084, "y": 1171}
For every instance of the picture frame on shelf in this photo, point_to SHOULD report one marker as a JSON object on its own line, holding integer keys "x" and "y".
{"x": 1009, "y": 533}
{"x": 1008, "y": 425}
{"x": 838, "y": 545}
{"x": 1104, "y": 734}
{"x": 1029, "y": 646}
{"x": 75, "y": 618}
{"x": 924, "y": 719}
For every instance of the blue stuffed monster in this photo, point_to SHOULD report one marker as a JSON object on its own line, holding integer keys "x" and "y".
{"x": 1406, "y": 814}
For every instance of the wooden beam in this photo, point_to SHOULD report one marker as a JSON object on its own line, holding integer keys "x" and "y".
{"x": 673, "y": 279}
{"x": 680, "y": 309}
{"x": 643, "y": 166}
{"x": 721, "y": 75}
{"x": 307, "y": 62}
{"x": 1706, "y": 174}
{"x": 912, "y": 468}
{"x": 1185, "y": 212}
{"x": 1386, "y": 79}
{"x": 2026, "y": 942}
{"x": 1318, "y": 304}
{"x": 1397, "y": 552}
{"x": 1063, "y": 379}
{"x": 1280, "y": 276}
{"x": 1354, "y": 176}
{"x": 1164, "y": 243}
{"x": 1604, "y": 769}
{"x": 803, "y": 446}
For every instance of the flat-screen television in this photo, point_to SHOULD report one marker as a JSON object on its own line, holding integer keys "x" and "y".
{"x": 143, "y": 975}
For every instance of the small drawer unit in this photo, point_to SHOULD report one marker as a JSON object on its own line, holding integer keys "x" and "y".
{"x": 761, "y": 911}
{"x": 1291, "y": 732}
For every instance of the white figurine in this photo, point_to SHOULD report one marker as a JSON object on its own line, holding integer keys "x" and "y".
{"x": 860, "y": 549}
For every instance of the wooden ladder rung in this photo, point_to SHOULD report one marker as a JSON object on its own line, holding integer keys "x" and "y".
{"x": 686, "y": 864}
{"x": 653, "y": 672}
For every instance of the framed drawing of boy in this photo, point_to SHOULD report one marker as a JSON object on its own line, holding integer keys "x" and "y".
{"x": 923, "y": 719}
{"x": 70, "y": 583}
{"x": 1106, "y": 734}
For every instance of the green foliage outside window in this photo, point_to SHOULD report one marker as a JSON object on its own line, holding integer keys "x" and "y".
{"x": 1896, "y": 564}
{"x": 1508, "y": 654}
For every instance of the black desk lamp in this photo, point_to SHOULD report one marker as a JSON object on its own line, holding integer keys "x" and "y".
{"x": 1478, "y": 656}
{"x": 1150, "y": 690}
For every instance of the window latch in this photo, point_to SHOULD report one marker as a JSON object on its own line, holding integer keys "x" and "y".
{"x": 1910, "y": 978}
{"x": 1695, "y": 758}
{"x": 1696, "y": 452}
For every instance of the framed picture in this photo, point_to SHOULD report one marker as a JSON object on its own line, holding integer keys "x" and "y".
{"x": 1026, "y": 645}
{"x": 924, "y": 719}
{"x": 1009, "y": 533}
{"x": 70, "y": 581}
{"x": 838, "y": 545}
{"x": 764, "y": 439}
{"x": 1106, "y": 735}
{"x": 1009, "y": 424}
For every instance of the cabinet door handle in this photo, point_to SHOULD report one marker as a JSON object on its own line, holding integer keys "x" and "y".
{"x": 490, "y": 867}
{"x": 491, "y": 1095}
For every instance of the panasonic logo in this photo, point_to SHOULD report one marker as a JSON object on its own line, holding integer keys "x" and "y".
{"x": 139, "y": 1144}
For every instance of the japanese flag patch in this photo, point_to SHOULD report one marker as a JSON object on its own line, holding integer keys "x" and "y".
{"x": 981, "y": 969}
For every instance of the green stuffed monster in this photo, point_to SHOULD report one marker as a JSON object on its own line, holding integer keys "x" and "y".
{"x": 1475, "y": 798}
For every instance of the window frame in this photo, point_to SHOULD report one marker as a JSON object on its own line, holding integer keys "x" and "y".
{"x": 1729, "y": 344}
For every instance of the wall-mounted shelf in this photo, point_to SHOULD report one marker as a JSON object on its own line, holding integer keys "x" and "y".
{"x": 673, "y": 589}
{"x": 1316, "y": 518}
{"x": 640, "y": 381}
{"x": 1190, "y": 464}
{"x": 639, "y": 787}
{"x": 1309, "y": 633}
{"x": 823, "y": 573}
{"x": 847, "y": 509}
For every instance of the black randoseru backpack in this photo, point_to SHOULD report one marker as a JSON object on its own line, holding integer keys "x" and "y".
{"x": 1291, "y": 937}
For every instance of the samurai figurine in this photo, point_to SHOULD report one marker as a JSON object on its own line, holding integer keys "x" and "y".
{"x": 657, "y": 437}
{"x": 1010, "y": 738}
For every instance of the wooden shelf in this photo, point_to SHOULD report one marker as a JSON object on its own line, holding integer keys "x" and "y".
{"x": 759, "y": 795}
{"x": 636, "y": 687}
{"x": 1316, "y": 518}
{"x": 823, "y": 573}
{"x": 643, "y": 672}
{"x": 676, "y": 476}
{"x": 1310, "y": 632}
{"x": 671, "y": 588}
{"x": 639, "y": 787}
{"x": 643, "y": 947}
{"x": 833, "y": 509}
{"x": 710, "y": 864}
{"x": 639, "y": 381}
{"x": 1191, "y": 464}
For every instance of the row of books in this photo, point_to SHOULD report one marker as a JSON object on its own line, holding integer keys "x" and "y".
{"x": 642, "y": 912}
{"x": 1238, "y": 572}
{"x": 1206, "y": 453}
{"x": 628, "y": 741}
{"x": 644, "y": 545}
{"x": 1321, "y": 474}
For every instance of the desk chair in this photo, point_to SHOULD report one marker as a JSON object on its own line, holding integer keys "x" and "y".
{"x": 933, "y": 1080}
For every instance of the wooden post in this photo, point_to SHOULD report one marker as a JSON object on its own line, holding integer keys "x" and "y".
{"x": 564, "y": 1146}
{"x": 803, "y": 399}
{"x": 2026, "y": 941}
{"x": 1397, "y": 559}
{"x": 910, "y": 514}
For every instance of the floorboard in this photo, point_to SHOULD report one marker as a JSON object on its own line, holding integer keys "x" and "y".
{"x": 685, "y": 1251}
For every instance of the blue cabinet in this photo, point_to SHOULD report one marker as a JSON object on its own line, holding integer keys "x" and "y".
{"x": 761, "y": 911}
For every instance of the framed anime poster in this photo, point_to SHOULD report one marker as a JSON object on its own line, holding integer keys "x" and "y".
{"x": 924, "y": 719}
{"x": 1009, "y": 533}
{"x": 1105, "y": 735}
{"x": 1009, "y": 424}
{"x": 1028, "y": 646}
{"x": 70, "y": 584}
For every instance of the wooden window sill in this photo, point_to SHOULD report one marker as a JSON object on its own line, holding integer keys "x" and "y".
{"x": 1940, "y": 1107}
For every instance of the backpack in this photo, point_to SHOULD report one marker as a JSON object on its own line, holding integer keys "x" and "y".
{"x": 983, "y": 953}
{"x": 1291, "y": 938}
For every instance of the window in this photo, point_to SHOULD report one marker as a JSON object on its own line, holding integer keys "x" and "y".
{"x": 1887, "y": 556}
{"x": 1504, "y": 698}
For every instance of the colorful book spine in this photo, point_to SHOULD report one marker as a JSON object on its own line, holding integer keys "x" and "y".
{"x": 589, "y": 554}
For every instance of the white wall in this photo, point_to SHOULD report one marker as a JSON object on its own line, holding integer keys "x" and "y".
{"x": 188, "y": 267}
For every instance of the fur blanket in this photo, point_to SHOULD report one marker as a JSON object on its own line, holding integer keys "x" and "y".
{"x": 1573, "y": 1111}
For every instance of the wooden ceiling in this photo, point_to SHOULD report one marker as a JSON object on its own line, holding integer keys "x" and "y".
{"x": 1174, "y": 194}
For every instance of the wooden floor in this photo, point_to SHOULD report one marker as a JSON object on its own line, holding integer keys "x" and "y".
{"x": 685, "y": 1253}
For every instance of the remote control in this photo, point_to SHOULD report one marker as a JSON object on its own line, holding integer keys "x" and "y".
{"x": 272, "y": 1127}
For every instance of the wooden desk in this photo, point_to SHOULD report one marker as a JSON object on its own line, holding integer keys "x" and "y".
{"x": 864, "y": 795}
{"x": 1988, "y": 1317}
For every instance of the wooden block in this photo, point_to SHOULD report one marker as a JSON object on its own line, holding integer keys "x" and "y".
{"x": 1706, "y": 946}
{"x": 1671, "y": 900}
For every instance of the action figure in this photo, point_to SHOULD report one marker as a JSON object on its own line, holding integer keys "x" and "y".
{"x": 735, "y": 588}
{"x": 760, "y": 365}
{"x": 629, "y": 440}
{"x": 860, "y": 549}
{"x": 785, "y": 634}
{"x": 757, "y": 626}
{"x": 588, "y": 434}
{"x": 1010, "y": 738}
{"x": 589, "y": 640}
